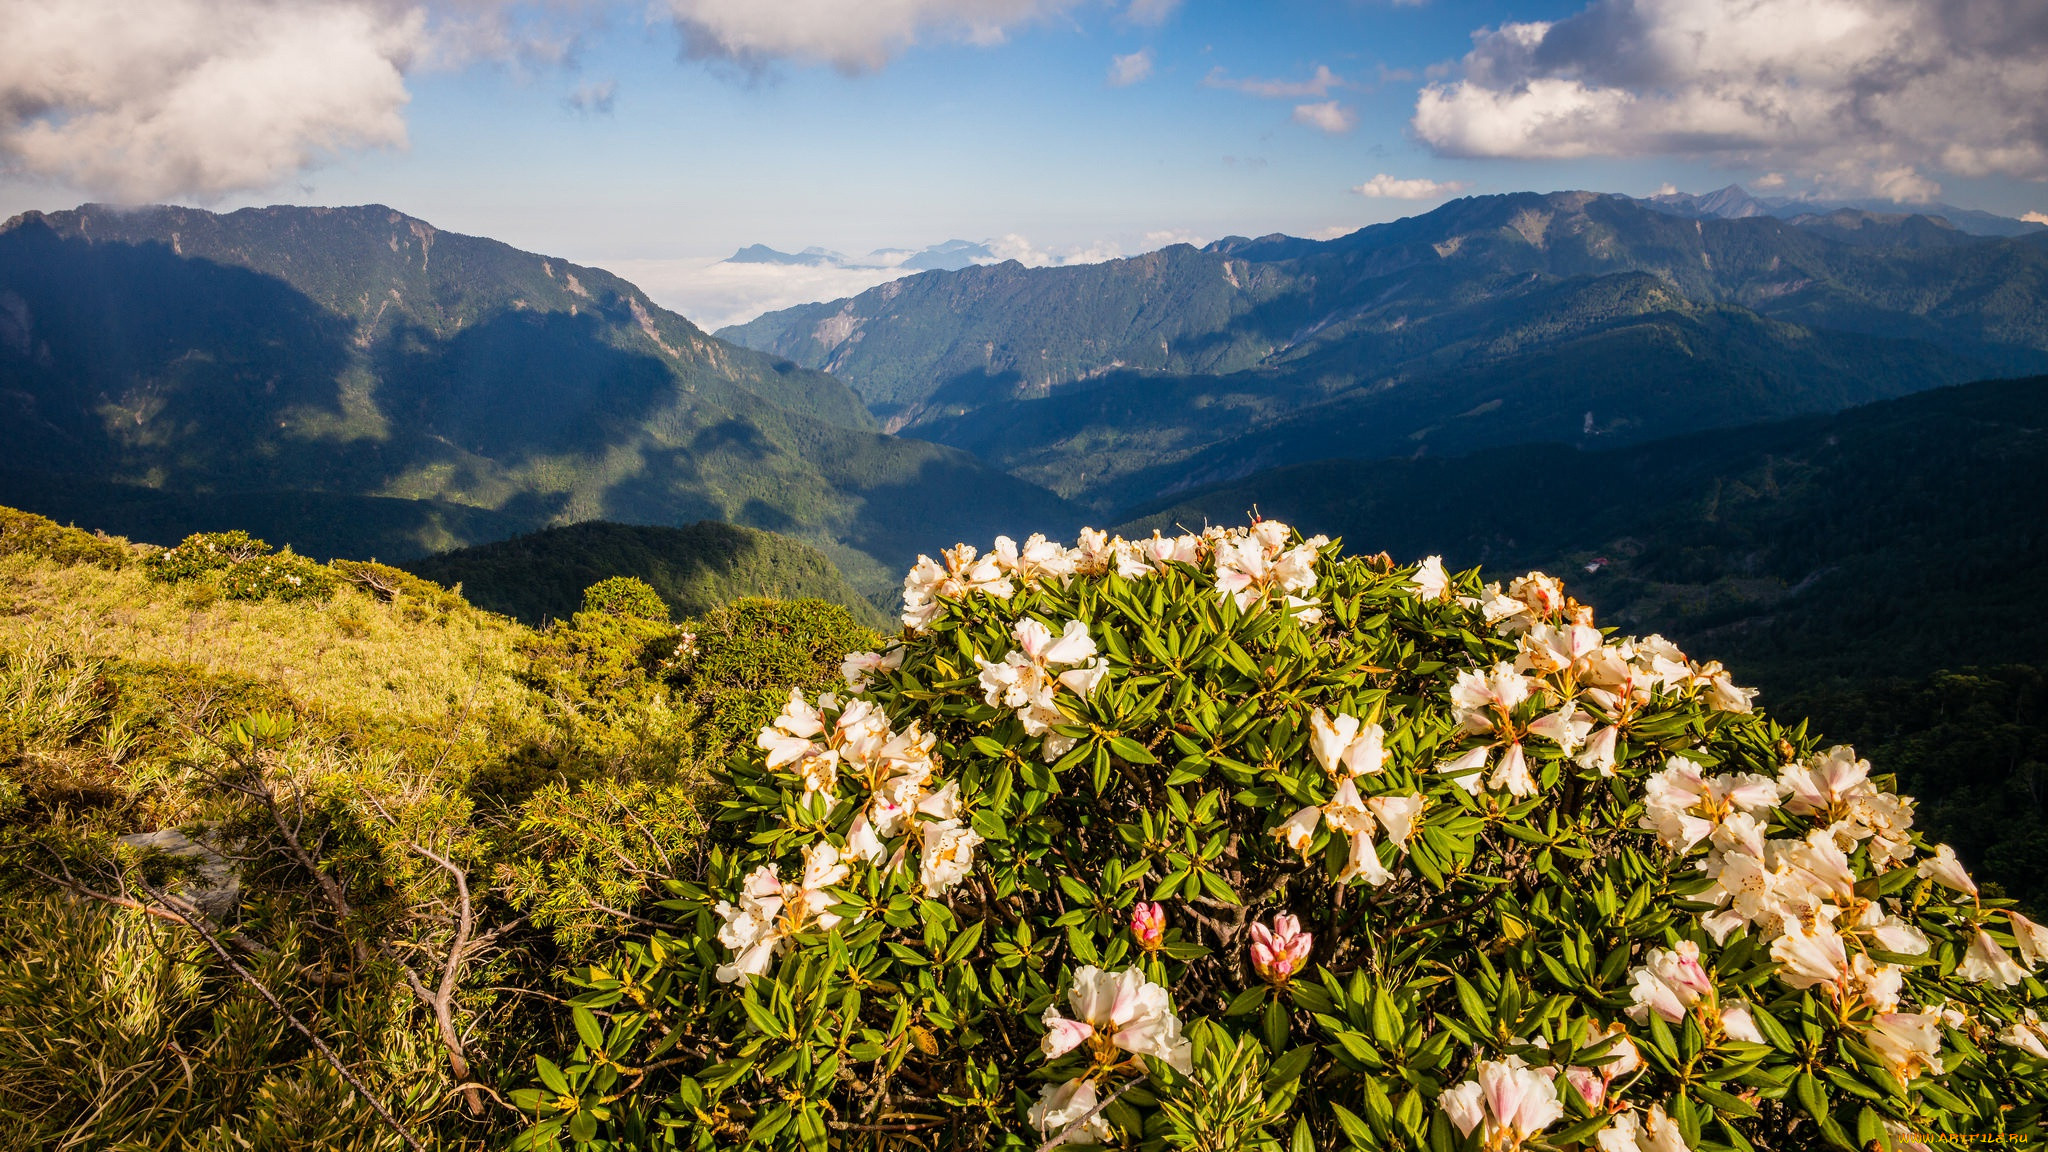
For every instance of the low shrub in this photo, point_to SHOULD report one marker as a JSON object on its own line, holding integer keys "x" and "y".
{"x": 1231, "y": 841}
{"x": 281, "y": 576}
{"x": 203, "y": 552}
{"x": 27, "y": 534}
{"x": 625, "y": 596}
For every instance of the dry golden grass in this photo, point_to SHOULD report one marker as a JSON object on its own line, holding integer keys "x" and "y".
{"x": 354, "y": 653}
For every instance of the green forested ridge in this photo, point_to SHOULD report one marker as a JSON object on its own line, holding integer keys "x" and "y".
{"x": 358, "y": 352}
{"x": 1490, "y": 320}
{"x": 542, "y": 576}
{"x": 1903, "y": 535}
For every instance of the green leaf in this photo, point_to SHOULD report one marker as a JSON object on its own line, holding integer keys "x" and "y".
{"x": 1247, "y": 1002}
{"x": 551, "y": 1075}
{"x": 586, "y": 1027}
{"x": 1354, "y": 1128}
{"x": 1131, "y": 751}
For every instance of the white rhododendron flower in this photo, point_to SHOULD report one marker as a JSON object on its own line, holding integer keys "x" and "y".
{"x": 1467, "y": 771}
{"x": 1483, "y": 701}
{"x": 1669, "y": 984}
{"x": 1513, "y": 774}
{"x": 2032, "y": 938}
{"x": 1909, "y": 1043}
{"x": 1683, "y": 806}
{"x": 2028, "y": 1033}
{"x": 948, "y": 855}
{"x": 1031, "y": 675}
{"x": 1943, "y": 868}
{"x": 1342, "y": 745}
{"x": 1507, "y": 1103}
{"x": 1251, "y": 566}
{"x": 1356, "y": 817}
{"x": 859, "y": 669}
{"x": 1117, "y": 1011}
{"x": 1430, "y": 580}
{"x": 1397, "y": 815}
{"x": 770, "y": 911}
{"x": 1655, "y": 1132}
{"x": 1065, "y": 1114}
{"x": 1987, "y": 963}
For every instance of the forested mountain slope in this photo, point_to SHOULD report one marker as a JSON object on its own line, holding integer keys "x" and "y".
{"x": 694, "y": 569}
{"x": 359, "y": 352}
{"x": 1878, "y": 541}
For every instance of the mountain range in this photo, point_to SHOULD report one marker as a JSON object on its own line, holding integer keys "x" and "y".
{"x": 948, "y": 256}
{"x": 1571, "y": 317}
{"x": 356, "y": 358}
{"x": 1735, "y": 202}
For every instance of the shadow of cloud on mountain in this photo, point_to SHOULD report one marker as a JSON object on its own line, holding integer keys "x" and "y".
{"x": 522, "y": 384}
{"x": 133, "y": 359}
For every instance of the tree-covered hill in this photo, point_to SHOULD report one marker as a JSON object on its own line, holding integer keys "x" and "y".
{"x": 542, "y": 576}
{"x": 360, "y": 352}
{"x": 1489, "y": 320}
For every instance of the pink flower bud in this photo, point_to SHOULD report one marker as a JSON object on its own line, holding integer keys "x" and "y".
{"x": 1148, "y": 924}
{"x": 1280, "y": 951}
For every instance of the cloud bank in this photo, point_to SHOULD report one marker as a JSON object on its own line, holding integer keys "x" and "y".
{"x": 143, "y": 101}
{"x": 851, "y": 35}
{"x": 1868, "y": 94}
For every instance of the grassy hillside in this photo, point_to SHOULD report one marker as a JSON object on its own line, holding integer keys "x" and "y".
{"x": 542, "y": 576}
{"x": 356, "y": 784}
{"x": 361, "y": 353}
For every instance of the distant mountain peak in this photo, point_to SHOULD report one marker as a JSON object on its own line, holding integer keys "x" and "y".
{"x": 949, "y": 255}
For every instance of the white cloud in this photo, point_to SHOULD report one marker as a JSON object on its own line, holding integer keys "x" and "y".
{"x": 851, "y": 35}
{"x": 1385, "y": 187}
{"x": 2036, "y": 218}
{"x": 135, "y": 102}
{"x": 595, "y": 98}
{"x": 1768, "y": 181}
{"x": 713, "y": 293}
{"x": 1329, "y": 116}
{"x": 1152, "y": 12}
{"x": 1862, "y": 93}
{"x": 1126, "y": 70}
{"x": 1318, "y": 84}
{"x": 1166, "y": 236}
{"x": 1015, "y": 247}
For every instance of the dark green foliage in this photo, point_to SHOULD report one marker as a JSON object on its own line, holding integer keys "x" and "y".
{"x": 542, "y": 576}
{"x": 1491, "y": 320}
{"x": 204, "y": 552}
{"x": 749, "y": 653}
{"x": 625, "y": 596}
{"x": 247, "y": 568}
{"x": 283, "y": 576}
{"x": 299, "y": 359}
{"x": 1973, "y": 745}
{"x": 27, "y": 534}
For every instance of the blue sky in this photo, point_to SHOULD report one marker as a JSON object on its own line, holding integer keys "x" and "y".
{"x": 703, "y": 126}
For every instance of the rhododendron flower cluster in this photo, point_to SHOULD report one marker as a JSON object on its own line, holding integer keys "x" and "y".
{"x": 1224, "y": 839}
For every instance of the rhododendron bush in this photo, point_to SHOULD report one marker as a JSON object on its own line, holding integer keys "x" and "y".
{"x": 1231, "y": 841}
